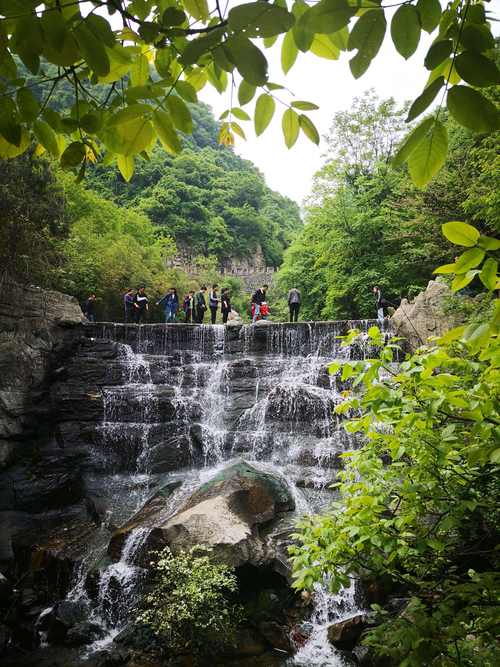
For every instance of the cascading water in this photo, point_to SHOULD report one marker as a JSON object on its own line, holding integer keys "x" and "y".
{"x": 182, "y": 401}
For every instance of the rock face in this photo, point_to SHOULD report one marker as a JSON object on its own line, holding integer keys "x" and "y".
{"x": 38, "y": 330}
{"x": 418, "y": 320}
{"x": 227, "y": 514}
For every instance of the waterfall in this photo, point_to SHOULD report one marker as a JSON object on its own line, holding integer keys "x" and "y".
{"x": 179, "y": 402}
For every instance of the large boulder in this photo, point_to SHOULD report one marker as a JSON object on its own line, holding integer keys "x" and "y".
{"x": 425, "y": 316}
{"x": 229, "y": 513}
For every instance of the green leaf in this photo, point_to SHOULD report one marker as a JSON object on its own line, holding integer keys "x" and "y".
{"x": 460, "y": 233}
{"x": 91, "y": 122}
{"x": 101, "y": 29}
{"x": 46, "y": 136}
{"x": 472, "y": 110}
{"x": 133, "y": 137}
{"x": 260, "y": 19}
{"x": 289, "y": 52}
{"x": 489, "y": 243}
{"x": 469, "y": 260}
{"x": 495, "y": 456}
{"x": 461, "y": 281}
{"x": 304, "y": 106}
{"x": 8, "y": 150}
{"x": 73, "y": 155}
{"x": 222, "y": 58}
{"x": 28, "y": 104}
{"x": 264, "y": 111}
{"x": 430, "y": 14}
{"x": 327, "y": 16}
{"x": 166, "y": 132}
{"x": 238, "y": 129}
{"x": 323, "y": 47}
{"x": 476, "y": 69}
{"x": 181, "y": 116}
{"x": 489, "y": 273}
{"x": 366, "y": 36}
{"x": 139, "y": 71}
{"x": 126, "y": 166}
{"x": 249, "y": 60}
{"x": 197, "y": 78}
{"x": 445, "y": 268}
{"x": 245, "y": 92}
{"x": 54, "y": 29}
{"x": 195, "y": 48}
{"x": 438, "y": 52}
{"x": 405, "y": 30}
{"x": 425, "y": 99}
{"x": 239, "y": 113}
{"x": 270, "y": 41}
{"x": 186, "y": 91}
{"x": 92, "y": 49}
{"x": 412, "y": 141}
{"x": 429, "y": 155}
{"x": 217, "y": 77}
{"x": 197, "y": 8}
{"x": 129, "y": 113}
{"x": 477, "y": 38}
{"x": 173, "y": 16}
{"x": 309, "y": 129}
{"x": 290, "y": 126}
{"x": 302, "y": 37}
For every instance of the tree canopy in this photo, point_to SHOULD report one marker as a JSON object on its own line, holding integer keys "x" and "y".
{"x": 367, "y": 224}
{"x": 134, "y": 66}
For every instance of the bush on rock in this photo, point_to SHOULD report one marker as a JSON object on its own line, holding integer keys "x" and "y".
{"x": 190, "y": 607}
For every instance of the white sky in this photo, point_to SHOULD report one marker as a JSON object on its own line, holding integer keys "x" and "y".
{"x": 330, "y": 85}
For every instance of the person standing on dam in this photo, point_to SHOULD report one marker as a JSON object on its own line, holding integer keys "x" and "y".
{"x": 294, "y": 299}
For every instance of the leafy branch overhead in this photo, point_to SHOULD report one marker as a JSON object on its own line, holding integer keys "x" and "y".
{"x": 134, "y": 67}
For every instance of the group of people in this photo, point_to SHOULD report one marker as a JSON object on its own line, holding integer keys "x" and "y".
{"x": 196, "y": 304}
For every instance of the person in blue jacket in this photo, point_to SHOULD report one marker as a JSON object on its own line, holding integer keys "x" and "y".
{"x": 171, "y": 305}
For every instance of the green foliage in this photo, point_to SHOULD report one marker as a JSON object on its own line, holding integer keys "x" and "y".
{"x": 32, "y": 223}
{"x": 367, "y": 224}
{"x": 160, "y": 54}
{"x": 190, "y": 607}
{"x": 208, "y": 199}
{"x": 418, "y": 502}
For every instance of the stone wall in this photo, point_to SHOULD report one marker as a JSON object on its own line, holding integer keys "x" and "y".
{"x": 34, "y": 327}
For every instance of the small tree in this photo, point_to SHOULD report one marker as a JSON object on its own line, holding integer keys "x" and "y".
{"x": 190, "y": 608}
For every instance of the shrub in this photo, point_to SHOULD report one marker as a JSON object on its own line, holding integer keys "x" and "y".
{"x": 191, "y": 607}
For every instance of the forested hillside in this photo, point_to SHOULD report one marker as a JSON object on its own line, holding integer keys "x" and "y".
{"x": 104, "y": 234}
{"x": 366, "y": 223}
{"x": 208, "y": 199}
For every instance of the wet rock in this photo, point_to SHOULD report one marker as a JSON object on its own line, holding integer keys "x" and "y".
{"x": 83, "y": 633}
{"x": 277, "y": 636}
{"x": 225, "y": 514}
{"x": 145, "y": 516}
{"x": 56, "y": 621}
{"x": 4, "y": 638}
{"x": 345, "y": 634}
{"x": 113, "y": 657}
{"x": 248, "y": 642}
{"x": 5, "y": 591}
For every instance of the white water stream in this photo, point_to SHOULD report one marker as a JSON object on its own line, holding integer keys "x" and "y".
{"x": 273, "y": 407}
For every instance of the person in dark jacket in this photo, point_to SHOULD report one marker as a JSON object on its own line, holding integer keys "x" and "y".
{"x": 188, "y": 307}
{"x": 294, "y": 299}
{"x": 128, "y": 305}
{"x": 201, "y": 304}
{"x": 225, "y": 304}
{"x": 170, "y": 304}
{"x": 213, "y": 302}
{"x": 258, "y": 299}
{"x": 141, "y": 304}
{"x": 89, "y": 308}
